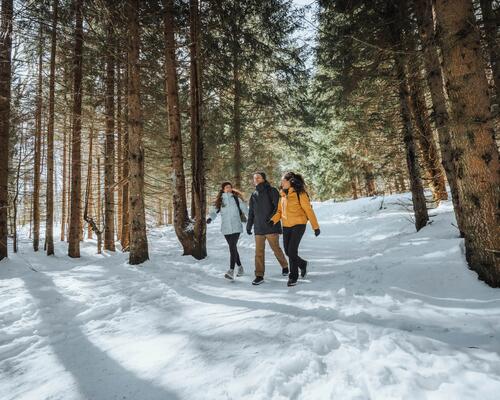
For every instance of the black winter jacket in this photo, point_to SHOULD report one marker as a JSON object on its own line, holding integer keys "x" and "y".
{"x": 262, "y": 206}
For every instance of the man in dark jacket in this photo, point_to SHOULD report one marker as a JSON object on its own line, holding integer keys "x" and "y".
{"x": 262, "y": 206}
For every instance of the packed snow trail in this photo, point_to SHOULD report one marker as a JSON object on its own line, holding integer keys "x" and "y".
{"x": 385, "y": 313}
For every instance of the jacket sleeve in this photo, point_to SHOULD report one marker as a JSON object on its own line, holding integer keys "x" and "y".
{"x": 251, "y": 214}
{"x": 244, "y": 207}
{"x": 305, "y": 203}
{"x": 277, "y": 216}
{"x": 212, "y": 213}
{"x": 275, "y": 200}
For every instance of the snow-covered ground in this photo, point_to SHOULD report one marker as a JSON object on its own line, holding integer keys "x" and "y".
{"x": 385, "y": 313}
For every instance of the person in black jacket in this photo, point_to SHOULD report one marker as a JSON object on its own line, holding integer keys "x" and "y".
{"x": 262, "y": 206}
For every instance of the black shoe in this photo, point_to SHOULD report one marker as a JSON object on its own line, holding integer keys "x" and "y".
{"x": 285, "y": 271}
{"x": 303, "y": 270}
{"x": 258, "y": 280}
{"x": 291, "y": 282}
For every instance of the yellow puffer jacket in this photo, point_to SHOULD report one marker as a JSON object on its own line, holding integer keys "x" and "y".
{"x": 291, "y": 212}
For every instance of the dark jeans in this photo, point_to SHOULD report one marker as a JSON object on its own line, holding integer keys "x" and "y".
{"x": 291, "y": 240}
{"x": 232, "y": 241}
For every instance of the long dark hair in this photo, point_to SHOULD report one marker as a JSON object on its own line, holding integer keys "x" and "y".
{"x": 296, "y": 181}
{"x": 218, "y": 199}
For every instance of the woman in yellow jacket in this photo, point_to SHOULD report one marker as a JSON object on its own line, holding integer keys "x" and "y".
{"x": 294, "y": 210}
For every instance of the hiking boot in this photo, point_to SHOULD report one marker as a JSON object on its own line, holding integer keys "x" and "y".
{"x": 291, "y": 282}
{"x": 303, "y": 270}
{"x": 229, "y": 274}
{"x": 240, "y": 271}
{"x": 258, "y": 280}
{"x": 285, "y": 271}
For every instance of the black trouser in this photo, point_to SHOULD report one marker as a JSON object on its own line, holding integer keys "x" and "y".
{"x": 291, "y": 240}
{"x": 232, "y": 241}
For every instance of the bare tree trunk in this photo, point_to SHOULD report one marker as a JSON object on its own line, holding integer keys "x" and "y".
{"x": 76, "y": 173}
{"x": 87, "y": 211}
{"x": 38, "y": 148}
{"x": 5, "y": 94}
{"x": 490, "y": 21}
{"x": 182, "y": 223}
{"x": 236, "y": 122}
{"x": 125, "y": 234}
{"x": 397, "y": 15}
{"x": 119, "y": 153}
{"x": 426, "y": 139}
{"x": 109, "y": 163}
{"x": 475, "y": 151}
{"x": 49, "y": 224}
{"x": 65, "y": 166}
{"x": 138, "y": 239}
{"x": 89, "y": 196}
{"x": 197, "y": 157}
{"x": 434, "y": 76}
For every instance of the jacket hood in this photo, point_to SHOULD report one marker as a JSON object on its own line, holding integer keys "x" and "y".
{"x": 262, "y": 186}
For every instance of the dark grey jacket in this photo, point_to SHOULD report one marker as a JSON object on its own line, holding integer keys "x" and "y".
{"x": 262, "y": 206}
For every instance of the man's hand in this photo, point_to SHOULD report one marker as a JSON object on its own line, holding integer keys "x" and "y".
{"x": 249, "y": 231}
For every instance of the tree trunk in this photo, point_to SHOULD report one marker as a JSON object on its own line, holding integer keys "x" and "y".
{"x": 5, "y": 94}
{"x": 423, "y": 11}
{"x": 87, "y": 211}
{"x": 75, "y": 211}
{"x": 475, "y": 151}
{"x": 38, "y": 147}
{"x": 490, "y": 21}
{"x": 125, "y": 233}
{"x": 197, "y": 154}
{"x": 109, "y": 160}
{"x": 425, "y": 137}
{"x": 182, "y": 223}
{"x": 137, "y": 217}
{"x": 397, "y": 16}
{"x": 89, "y": 193}
{"x": 236, "y": 120}
{"x": 49, "y": 225}
{"x": 119, "y": 153}
{"x": 65, "y": 163}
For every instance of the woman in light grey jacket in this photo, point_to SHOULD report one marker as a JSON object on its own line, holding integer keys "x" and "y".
{"x": 232, "y": 209}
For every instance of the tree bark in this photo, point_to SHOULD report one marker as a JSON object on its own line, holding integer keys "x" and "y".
{"x": 89, "y": 193}
{"x": 119, "y": 152}
{"x": 397, "y": 16}
{"x": 125, "y": 232}
{"x": 475, "y": 153}
{"x": 197, "y": 154}
{"x": 38, "y": 147}
{"x": 109, "y": 160}
{"x": 182, "y": 223}
{"x": 490, "y": 21}
{"x": 236, "y": 120}
{"x": 49, "y": 224}
{"x": 138, "y": 238}
{"x": 5, "y": 94}
{"x": 76, "y": 173}
{"x": 425, "y": 137}
{"x": 434, "y": 77}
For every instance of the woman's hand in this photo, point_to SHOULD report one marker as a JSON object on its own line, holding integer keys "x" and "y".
{"x": 317, "y": 232}
{"x": 209, "y": 220}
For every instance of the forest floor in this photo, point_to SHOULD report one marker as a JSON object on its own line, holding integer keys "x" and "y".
{"x": 384, "y": 313}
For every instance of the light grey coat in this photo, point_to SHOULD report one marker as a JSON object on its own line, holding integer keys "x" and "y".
{"x": 230, "y": 215}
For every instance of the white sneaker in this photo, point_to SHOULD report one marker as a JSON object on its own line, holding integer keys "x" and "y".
{"x": 240, "y": 271}
{"x": 229, "y": 274}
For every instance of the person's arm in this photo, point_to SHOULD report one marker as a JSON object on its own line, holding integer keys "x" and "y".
{"x": 212, "y": 213}
{"x": 251, "y": 214}
{"x": 244, "y": 207}
{"x": 277, "y": 216}
{"x": 305, "y": 203}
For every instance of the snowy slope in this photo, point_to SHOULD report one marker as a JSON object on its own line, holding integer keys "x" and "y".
{"x": 385, "y": 313}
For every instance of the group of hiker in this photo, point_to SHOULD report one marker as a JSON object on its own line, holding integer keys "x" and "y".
{"x": 269, "y": 213}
